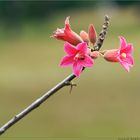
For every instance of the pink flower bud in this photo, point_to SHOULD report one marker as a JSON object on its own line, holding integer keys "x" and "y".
{"x": 84, "y": 36}
{"x": 92, "y": 34}
{"x": 94, "y": 54}
{"x": 66, "y": 34}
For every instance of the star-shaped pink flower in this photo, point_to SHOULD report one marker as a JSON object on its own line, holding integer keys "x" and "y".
{"x": 77, "y": 57}
{"x": 123, "y": 54}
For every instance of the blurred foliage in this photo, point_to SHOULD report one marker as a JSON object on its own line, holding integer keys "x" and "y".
{"x": 16, "y": 11}
{"x": 21, "y": 10}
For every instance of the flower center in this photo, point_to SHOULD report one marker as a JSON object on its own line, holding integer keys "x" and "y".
{"x": 123, "y": 55}
{"x": 79, "y": 56}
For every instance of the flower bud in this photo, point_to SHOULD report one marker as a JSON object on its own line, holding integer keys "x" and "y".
{"x": 84, "y": 36}
{"x": 94, "y": 54}
{"x": 92, "y": 34}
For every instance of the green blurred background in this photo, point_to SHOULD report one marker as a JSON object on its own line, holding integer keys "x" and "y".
{"x": 106, "y": 102}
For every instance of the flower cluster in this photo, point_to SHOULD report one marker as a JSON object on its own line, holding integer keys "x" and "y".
{"x": 80, "y": 55}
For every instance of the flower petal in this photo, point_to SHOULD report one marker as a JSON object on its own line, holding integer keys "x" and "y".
{"x": 67, "y": 23}
{"x": 82, "y": 47}
{"x": 122, "y": 42}
{"x": 129, "y": 59}
{"x": 125, "y": 65}
{"x": 70, "y": 49}
{"x": 67, "y": 61}
{"x": 77, "y": 69}
{"x": 129, "y": 49}
{"x": 87, "y": 62}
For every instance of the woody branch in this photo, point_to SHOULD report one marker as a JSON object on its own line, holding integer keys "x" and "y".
{"x": 65, "y": 82}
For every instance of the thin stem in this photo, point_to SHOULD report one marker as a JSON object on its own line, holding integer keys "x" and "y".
{"x": 36, "y": 103}
{"x": 43, "y": 98}
{"x": 102, "y": 34}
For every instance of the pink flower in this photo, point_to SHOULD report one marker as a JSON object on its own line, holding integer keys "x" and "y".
{"x": 123, "y": 55}
{"x": 77, "y": 57}
{"x": 66, "y": 34}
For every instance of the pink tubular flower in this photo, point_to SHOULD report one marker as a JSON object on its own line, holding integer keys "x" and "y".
{"x": 66, "y": 34}
{"x": 123, "y": 55}
{"x": 77, "y": 57}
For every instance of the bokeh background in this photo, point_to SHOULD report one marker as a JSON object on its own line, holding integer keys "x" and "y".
{"x": 106, "y": 102}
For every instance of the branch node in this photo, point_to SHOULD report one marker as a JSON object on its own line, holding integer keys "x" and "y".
{"x": 71, "y": 84}
{"x": 15, "y": 117}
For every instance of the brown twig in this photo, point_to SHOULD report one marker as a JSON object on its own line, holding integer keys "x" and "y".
{"x": 65, "y": 82}
{"x": 102, "y": 34}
